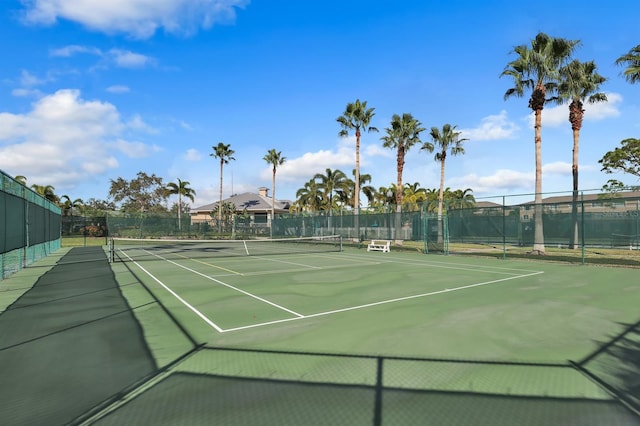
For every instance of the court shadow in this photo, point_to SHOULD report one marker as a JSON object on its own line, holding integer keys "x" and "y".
{"x": 616, "y": 364}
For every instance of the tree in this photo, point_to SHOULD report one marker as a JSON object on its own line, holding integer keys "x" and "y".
{"x": 334, "y": 181}
{"x": 67, "y": 205}
{"x": 22, "y": 180}
{"x": 625, "y": 158}
{"x": 309, "y": 197}
{"x": 413, "y": 195}
{"x": 46, "y": 191}
{"x": 225, "y": 154}
{"x": 144, "y": 193}
{"x": 181, "y": 189}
{"x": 631, "y": 60}
{"x": 356, "y": 117}
{"x": 462, "y": 199}
{"x": 537, "y": 69}
{"x": 368, "y": 190}
{"x": 275, "y": 159}
{"x": 448, "y": 142}
{"x": 579, "y": 83}
{"x": 403, "y": 133}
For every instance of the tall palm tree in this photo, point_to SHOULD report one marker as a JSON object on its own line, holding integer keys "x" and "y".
{"x": 631, "y": 60}
{"x": 356, "y": 117}
{"x": 22, "y": 180}
{"x": 403, "y": 133}
{"x": 275, "y": 159}
{"x": 537, "y": 68}
{"x": 309, "y": 197}
{"x": 334, "y": 181}
{"x": 579, "y": 82}
{"x": 448, "y": 141}
{"x": 225, "y": 154}
{"x": 181, "y": 189}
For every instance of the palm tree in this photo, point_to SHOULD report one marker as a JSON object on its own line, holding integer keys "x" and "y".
{"x": 225, "y": 154}
{"x": 631, "y": 60}
{"x": 368, "y": 190}
{"x": 334, "y": 181}
{"x": 356, "y": 117}
{"x": 276, "y": 159}
{"x": 413, "y": 195}
{"x": 181, "y": 189}
{"x": 537, "y": 68}
{"x": 309, "y": 197}
{"x": 462, "y": 199}
{"x": 22, "y": 180}
{"x": 403, "y": 133}
{"x": 67, "y": 205}
{"x": 447, "y": 141}
{"x": 579, "y": 82}
{"x": 46, "y": 191}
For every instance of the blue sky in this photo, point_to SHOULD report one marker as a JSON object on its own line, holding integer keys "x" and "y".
{"x": 93, "y": 90}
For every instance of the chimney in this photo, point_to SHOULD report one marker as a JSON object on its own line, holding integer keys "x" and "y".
{"x": 263, "y": 191}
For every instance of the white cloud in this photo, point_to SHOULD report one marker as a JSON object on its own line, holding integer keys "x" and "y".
{"x": 379, "y": 151}
{"x": 138, "y": 124}
{"x": 492, "y": 127}
{"x": 71, "y": 50}
{"x": 138, "y": 18}
{"x": 26, "y": 93}
{"x": 64, "y": 139}
{"x": 310, "y": 163}
{"x": 118, "y": 89}
{"x": 128, "y": 59}
{"x": 135, "y": 149}
{"x": 29, "y": 80}
{"x": 193, "y": 155}
{"x": 557, "y": 168}
{"x": 502, "y": 180}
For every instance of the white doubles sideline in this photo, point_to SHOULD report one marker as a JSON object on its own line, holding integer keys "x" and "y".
{"x": 297, "y": 316}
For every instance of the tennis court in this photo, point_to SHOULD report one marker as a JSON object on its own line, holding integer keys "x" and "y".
{"x": 312, "y": 332}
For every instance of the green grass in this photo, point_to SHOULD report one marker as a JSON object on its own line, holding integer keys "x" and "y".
{"x": 80, "y": 241}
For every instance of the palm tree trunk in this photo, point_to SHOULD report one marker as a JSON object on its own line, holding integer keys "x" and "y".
{"x": 220, "y": 205}
{"x": 356, "y": 206}
{"x": 179, "y": 210}
{"x": 538, "y": 233}
{"x": 273, "y": 197}
{"x": 399, "y": 194}
{"x": 440, "y": 201}
{"x": 573, "y": 243}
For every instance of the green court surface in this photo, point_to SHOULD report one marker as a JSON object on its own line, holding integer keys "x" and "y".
{"x": 394, "y": 304}
{"x": 351, "y": 337}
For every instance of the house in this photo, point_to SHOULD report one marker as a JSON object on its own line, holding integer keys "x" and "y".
{"x": 256, "y": 206}
{"x": 617, "y": 205}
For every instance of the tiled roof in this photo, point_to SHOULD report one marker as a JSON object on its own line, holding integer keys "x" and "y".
{"x": 249, "y": 201}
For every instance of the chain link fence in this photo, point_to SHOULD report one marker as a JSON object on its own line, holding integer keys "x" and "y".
{"x": 30, "y": 226}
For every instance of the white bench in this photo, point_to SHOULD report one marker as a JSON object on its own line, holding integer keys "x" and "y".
{"x": 376, "y": 245}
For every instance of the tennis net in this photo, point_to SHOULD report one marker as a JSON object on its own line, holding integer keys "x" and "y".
{"x": 127, "y": 249}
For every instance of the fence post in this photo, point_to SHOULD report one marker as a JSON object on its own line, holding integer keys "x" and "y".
{"x": 377, "y": 405}
{"x": 582, "y": 223}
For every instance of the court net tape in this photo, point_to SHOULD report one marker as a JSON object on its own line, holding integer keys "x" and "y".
{"x": 127, "y": 249}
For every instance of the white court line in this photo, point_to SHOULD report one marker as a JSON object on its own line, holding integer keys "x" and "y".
{"x": 368, "y": 305}
{"x": 427, "y": 260}
{"x": 176, "y": 295}
{"x": 461, "y": 266}
{"x": 229, "y": 286}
